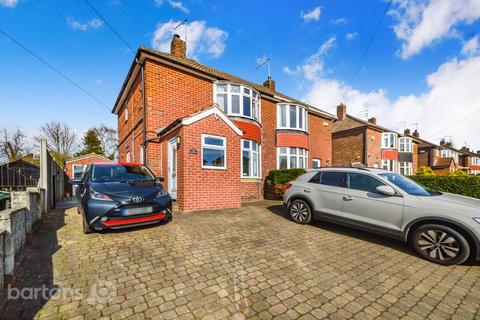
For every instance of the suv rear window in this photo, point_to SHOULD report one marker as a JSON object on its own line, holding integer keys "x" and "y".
{"x": 334, "y": 179}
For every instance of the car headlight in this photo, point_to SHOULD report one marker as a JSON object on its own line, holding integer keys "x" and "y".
{"x": 477, "y": 219}
{"x": 162, "y": 192}
{"x": 95, "y": 195}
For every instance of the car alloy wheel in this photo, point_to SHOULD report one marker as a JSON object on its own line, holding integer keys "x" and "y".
{"x": 441, "y": 244}
{"x": 300, "y": 212}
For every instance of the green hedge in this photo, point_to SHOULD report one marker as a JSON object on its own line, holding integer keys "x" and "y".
{"x": 464, "y": 185}
{"x": 284, "y": 176}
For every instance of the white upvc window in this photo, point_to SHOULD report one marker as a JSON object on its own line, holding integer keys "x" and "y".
{"x": 251, "y": 159}
{"x": 126, "y": 110}
{"x": 214, "y": 152}
{"x": 290, "y": 116}
{"x": 389, "y": 165}
{"x": 475, "y": 161}
{"x": 142, "y": 158}
{"x": 291, "y": 158}
{"x": 389, "y": 140}
{"x": 405, "y": 144}
{"x": 237, "y": 100}
{"x": 447, "y": 153}
{"x": 128, "y": 158}
{"x": 406, "y": 168}
{"x": 316, "y": 163}
{"x": 77, "y": 170}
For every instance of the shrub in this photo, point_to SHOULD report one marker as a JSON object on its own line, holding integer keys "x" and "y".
{"x": 425, "y": 171}
{"x": 458, "y": 173}
{"x": 464, "y": 185}
{"x": 285, "y": 175}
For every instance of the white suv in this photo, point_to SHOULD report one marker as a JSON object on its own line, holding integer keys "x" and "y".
{"x": 441, "y": 227}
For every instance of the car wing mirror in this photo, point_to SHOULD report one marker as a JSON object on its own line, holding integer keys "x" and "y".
{"x": 75, "y": 181}
{"x": 160, "y": 179}
{"x": 386, "y": 190}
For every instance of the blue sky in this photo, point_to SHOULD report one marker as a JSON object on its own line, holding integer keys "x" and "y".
{"x": 314, "y": 46}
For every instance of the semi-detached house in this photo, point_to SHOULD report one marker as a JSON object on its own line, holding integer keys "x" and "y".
{"x": 213, "y": 136}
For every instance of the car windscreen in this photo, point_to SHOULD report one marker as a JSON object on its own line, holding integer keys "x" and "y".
{"x": 118, "y": 173}
{"x": 407, "y": 185}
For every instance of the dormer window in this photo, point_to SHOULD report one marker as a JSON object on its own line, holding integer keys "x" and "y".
{"x": 290, "y": 116}
{"x": 389, "y": 140}
{"x": 238, "y": 100}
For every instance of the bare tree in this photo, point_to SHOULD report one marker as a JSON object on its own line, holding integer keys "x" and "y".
{"x": 61, "y": 139}
{"x": 13, "y": 146}
{"x": 108, "y": 139}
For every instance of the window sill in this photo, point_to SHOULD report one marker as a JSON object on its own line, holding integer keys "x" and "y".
{"x": 214, "y": 168}
{"x": 250, "y": 179}
{"x": 293, "y": 129}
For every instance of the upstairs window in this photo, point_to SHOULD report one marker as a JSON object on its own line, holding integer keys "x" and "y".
{"x": 238, "y": 100}
{"x": 405, "y": 145}
{"x": 389, "y": 140}
{"x": 447, "y": 153}
{"x": 475, "y": 161}
{"x": 291, "y": 116}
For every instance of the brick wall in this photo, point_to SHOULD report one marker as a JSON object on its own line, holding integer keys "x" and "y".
{"x": 290, "y": 139}
{"x": 320, "y": 140}
{"x": 347, "y": 147}
{"x": 374, "y": 148}
{"x": 84, "y": 162}
{"x": 269, "y": 124}
{"x": 415, "y": 158}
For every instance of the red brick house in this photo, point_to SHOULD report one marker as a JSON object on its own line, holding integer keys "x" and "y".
{"x": 359, "y": 142}
{"x": 470, "y": 160}
{"x": 75, "y": 167}
{"x": 213, "y": 136}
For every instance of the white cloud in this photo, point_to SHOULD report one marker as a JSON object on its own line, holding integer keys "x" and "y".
{"x": 327, "y": 45}
{"x": 99, "y": 81}
{"x": 421, "y": 23}
{"x": 471, "y": 47}
{"x": 201, "y": 39}
{"x": 341, "y": 20}
{"x": 92, "y": 24}
{"x": 9, "y": 3}
{"x": 351, "y": 35}
{"x": 174, "y": 4}
{"x": 312, "y": 15}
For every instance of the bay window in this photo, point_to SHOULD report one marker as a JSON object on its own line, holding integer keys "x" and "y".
{"x": 213, "y": 152}
{"x": 475, "y": 161}
{"x": 405, "y": 145}
{"x": 389, "y": 165}
{"x": 406, "y": 168}
{"x": 251, "y": 159}
{"x": 450, "y": 154}
{"x": 291, "y": 158}
{"x": 291, "y": 116}
{"x": 238, "y": 100}
{"x": 389, "y": 140}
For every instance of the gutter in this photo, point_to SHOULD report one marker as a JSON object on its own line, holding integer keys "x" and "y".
{"x": 144, "y": 111}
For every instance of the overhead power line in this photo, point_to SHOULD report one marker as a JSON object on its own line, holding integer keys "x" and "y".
{"x": 369, "y": 43}
{"x": 63, "y": 75}
{"x": 455, "y": 123}
{"x": 109, "y": 25}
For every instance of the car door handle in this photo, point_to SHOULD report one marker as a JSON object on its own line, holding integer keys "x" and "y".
{"x": 307, "y": 190}
{"x": 348, "y": 198}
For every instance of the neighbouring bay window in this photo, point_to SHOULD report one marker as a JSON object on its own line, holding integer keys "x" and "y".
{"x": 405, "y": 145}
{"x": 475, "y": 161}
{"x": 447, "y": 153}
{"x": 251, "y": 159}
{"x": 214, "y": 152}
{"x": 389, "y": 165}
{"x": 389, "y": 140}
{"x": 238, "y": 100}
{"x": 406, "y": 168}
{"x": 291, "y": 116}
{"x": 291, "y": 158}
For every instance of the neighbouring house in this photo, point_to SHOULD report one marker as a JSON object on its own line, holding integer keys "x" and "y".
{"x": 19, "y": 174}
{"x": 360, "y": 142}
{"x": 75, "y": 167}
{"x": 470, "y": 160}
{"x": 213, "y": 136}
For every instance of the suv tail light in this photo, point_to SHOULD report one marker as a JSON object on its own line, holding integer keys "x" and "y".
{"x": 288, "y": 185}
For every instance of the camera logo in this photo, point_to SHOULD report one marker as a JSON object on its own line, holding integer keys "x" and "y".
{"x": 101, "y": 293}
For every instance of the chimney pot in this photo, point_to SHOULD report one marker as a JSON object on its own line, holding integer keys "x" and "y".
{"x": 407, "y": 132}
{"x": 372, "y": 120}
{"x": 269, "y": 83}
{"x": 341, "y": 112}
{"x": 178, "y": 47}
{"x": 416, "y": 134}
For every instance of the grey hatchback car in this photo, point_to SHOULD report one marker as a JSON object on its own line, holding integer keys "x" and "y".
{"x": 443, "y": 228}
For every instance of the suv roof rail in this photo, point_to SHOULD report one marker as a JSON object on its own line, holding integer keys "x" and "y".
{"x": 346, "y": 167}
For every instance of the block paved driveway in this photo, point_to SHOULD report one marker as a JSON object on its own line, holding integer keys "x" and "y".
{"x": 235, "y": 264}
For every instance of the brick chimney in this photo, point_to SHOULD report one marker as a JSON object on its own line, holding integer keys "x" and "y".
{"x": 478, "y": 152}
{"x": 407, "y": 132}
{"x": 341, "y": 112}
{"x": 178, "y": 47}
{"x": 269, "y": 83}
{"x": 372, "y": 120}
{"x": 416, "y": 134}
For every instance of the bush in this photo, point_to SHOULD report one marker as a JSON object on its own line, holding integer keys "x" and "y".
{"x": 425, "y": 171}
{"x": 464, "y": 185}
{"x": 458, "y": 173}
{"x": 285, "y": 175}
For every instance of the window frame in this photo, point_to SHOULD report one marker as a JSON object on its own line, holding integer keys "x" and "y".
{"x": 255, "y": 111}
{"x": 407, "y": 144}
{"x": 128, "y": 157}
{"x": 300, "y": 110}
{"x": 391, "y": 163}
{"x": 319, "y": 163}
{"x": 210, "y": 146}
{"x": 289, "y": 155}
{"x": 392, "y": 137}
{"x": 251, "y": 153}
{"x": 83, "y": 170}
{"x": 408, "y": 166}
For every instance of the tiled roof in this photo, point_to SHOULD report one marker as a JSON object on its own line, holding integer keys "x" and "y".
{"x": 194, "y": 65}
{"x": 340, "y": 125}
{"x": 442, "y": 162}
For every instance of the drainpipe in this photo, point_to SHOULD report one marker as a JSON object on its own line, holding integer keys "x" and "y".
{"x": 144, "y": 114}
{"x": 365, "y": 146}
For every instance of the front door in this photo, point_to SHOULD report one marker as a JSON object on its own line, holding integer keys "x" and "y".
{"x": 172, "y": 168}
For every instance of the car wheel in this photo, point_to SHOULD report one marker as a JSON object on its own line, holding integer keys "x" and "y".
{"x": 86, "y": 227}
{"x": 440, "y": 244}
{"x": 300, "y": 212}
